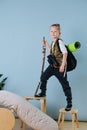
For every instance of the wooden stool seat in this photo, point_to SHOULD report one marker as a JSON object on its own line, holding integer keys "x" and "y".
{"x": 41, "y": 99}
{"x": 7, "y": 120}
{"x": 74, "y": 114}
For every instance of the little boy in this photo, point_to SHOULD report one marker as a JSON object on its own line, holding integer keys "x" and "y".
{"x": 58, "y": 71}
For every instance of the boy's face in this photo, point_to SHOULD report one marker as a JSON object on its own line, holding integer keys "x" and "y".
{"x": 54, "y": 32}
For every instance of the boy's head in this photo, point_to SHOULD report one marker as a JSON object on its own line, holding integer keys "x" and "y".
{"x": 55, "y": 31}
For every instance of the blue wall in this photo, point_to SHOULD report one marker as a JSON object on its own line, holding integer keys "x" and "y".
{"x": 23, "y": 23}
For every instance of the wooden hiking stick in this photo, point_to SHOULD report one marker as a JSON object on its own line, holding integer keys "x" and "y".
{"x": 43, "y": 63}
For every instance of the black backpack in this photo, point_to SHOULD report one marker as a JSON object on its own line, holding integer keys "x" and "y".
{"x": 71, "y": 60}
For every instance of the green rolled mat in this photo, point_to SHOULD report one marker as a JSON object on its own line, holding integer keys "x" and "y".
{"x": 74, "y": 46}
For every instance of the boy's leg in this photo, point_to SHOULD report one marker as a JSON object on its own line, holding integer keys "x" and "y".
{"x": 45, "y": 76}
{"x": 66, "y": 88}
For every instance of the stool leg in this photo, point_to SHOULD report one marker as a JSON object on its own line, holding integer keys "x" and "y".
{"x": 63, "y": 115}
{"x": 59, "y": 118}
{"x": 21, "y": 124}
{"x": 73, "y": 119}
{"x": 43, "y": 105}
{"x": 76, "y": 116}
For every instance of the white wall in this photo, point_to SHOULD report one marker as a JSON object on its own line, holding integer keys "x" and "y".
{"x": 23, "y": 23}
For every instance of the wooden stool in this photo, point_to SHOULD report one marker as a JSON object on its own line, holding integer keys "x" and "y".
{"x": 42, "y": 104}
{"x": 7, "y": 119}
{"x": 41, "y": 99}
{"x": 73, "y": 113}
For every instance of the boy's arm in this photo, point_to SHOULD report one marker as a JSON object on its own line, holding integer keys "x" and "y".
{"x": 62, "y": 67}
{"x": 64, "y": 52}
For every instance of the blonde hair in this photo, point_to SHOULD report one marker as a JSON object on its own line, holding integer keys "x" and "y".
{"x": 56, "y": 25}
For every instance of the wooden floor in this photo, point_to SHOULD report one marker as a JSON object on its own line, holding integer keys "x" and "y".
{"x": 67, "y": 126}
